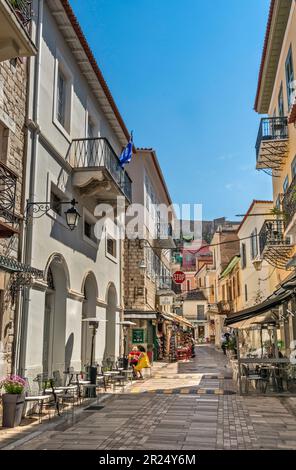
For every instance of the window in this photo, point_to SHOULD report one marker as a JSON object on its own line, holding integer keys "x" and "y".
{"x": 4, "y": 143}
{"x": 278, "y": 202}
{"x": 111, "y": 246}
{"x": 293, "y": 167}
{"x": 188, "y": 285}
{"x": 200, "y": 312}
{"x": 246, "y": 293}
{"x": 55, "y": 203}
{"x": 87, "y": 229}
{"x": 281, "y": 101}
{"x": 61, "y": 98}
{"x": 243, "y": 256}
{"x": 223, "y": 292}
{"x": 238, "y": 284}
{"x": 212, "y": 290}
{"x": 254, "y": 244}
{"x": 286, "y": 184}
{"x": 289, "y": 77}
{"x": 234, "y": 287}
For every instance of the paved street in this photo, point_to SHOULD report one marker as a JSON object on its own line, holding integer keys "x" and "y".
{"x": 189, "y": 405}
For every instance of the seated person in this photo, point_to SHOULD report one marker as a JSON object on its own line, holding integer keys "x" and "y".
{"x": 133, "y": 357}
{"x": 143, "y": 362}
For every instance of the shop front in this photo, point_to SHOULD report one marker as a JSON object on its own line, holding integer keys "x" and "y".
{"x": 264, "y": 345}
{"x": 143, "y": 332}
{"x": 175, "y": 337}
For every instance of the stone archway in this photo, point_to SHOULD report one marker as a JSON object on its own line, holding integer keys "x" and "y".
{"x": 90, "y": 290}
{"x": 54, "y": 328}
{"x": 111, "y": 327}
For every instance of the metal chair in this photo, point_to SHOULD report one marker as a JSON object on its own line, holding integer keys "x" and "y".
{"x": 254, "y": 377}
{"x": 37, "y": 399}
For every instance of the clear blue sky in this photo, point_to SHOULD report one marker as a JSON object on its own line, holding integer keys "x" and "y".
{"x": 183, "y": 74}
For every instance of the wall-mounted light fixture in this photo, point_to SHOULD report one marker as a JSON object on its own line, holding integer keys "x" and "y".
{"x": 42, "y": 208}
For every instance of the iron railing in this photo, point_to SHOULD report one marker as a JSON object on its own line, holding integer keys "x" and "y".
{"x": 225, "y": 306}
{"x": 164, "y": 230}
{"x": 97, "y": 152}
{"x": 289, "y": 202}
{"x": 272, "y": 234}
{"x": 8, "y": 181}
{"x": 23, "y": 10}
{"x": 275, "y": 128}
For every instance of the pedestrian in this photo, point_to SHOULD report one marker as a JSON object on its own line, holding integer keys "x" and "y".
{"x": 143, "y": 362}
{"x": 133, "y": 358}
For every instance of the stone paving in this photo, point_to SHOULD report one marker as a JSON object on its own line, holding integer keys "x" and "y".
{"x": 186, "y": 405}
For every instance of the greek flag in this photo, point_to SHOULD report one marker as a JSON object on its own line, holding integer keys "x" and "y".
{"x": 127, "y": 153}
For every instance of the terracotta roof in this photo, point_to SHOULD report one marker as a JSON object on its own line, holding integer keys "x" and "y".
{"x": 77, "y": 28}
{"x": 279, "y": 12}
{"x": 266, "y": 39}
{"x": 194, "y": 295}
{"x": 255, "y": 201}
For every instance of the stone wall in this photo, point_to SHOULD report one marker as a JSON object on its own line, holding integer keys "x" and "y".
{"x": 12, "y": 141}
{"x": 139, "y": 291}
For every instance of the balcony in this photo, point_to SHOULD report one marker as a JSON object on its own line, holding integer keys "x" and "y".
{"x": 275, "y": 248}
{"x": 9, "y": 221}
{"x": 14, "y": 38}
{"x": 272, "y": 143}
{"x": 289, "y": 208}
{"x": 97, "y": 171}
{"x": 225, "y": 307}
{"x": 164, "y": 236}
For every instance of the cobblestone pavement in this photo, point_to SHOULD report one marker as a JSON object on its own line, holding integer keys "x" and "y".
{"x": 188, "y": 405}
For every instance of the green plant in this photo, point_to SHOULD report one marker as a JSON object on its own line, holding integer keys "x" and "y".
{"x": 13, "y": 384}
{"x": 231, "y": 344}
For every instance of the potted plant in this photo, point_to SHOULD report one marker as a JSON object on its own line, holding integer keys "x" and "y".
{"x": 13, "y": 400}
{"x": 231, "y": 347}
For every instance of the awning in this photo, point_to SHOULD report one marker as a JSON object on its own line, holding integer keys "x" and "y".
{"x": 231, "y": 265}
{"x": 176, "y": 319}
{"x": 140, "y": 314}
{"x": 256, "y": 310}
{"x": 13, "y": 266}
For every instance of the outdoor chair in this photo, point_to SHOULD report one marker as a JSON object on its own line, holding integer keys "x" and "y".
{"x": 253, "y": 377}
{"x": 38, "y": 399}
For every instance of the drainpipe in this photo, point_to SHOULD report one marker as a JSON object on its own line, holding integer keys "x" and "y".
{"x": 28, "y": 232}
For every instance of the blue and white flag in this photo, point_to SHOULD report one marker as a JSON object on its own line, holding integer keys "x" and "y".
{"x": 127, "y": 153}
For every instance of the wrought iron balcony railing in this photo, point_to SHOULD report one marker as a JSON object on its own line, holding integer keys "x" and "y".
{"x": 271, "y": 144}
{"x": 289, "y": 203}
{"x": 96, "y": 153}
{"x": 225, "y": 306}
{"x": 23, "y": 9}
{"x": 272, "y": 234}
{"x": 8, "y": 181}
{"x": 275, "y": 248}
{"x": 164, "y": 230}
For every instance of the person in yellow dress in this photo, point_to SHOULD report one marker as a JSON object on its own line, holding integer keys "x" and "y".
{"x": 143, "y": 362}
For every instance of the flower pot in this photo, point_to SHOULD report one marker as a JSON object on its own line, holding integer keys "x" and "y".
{"x": 13, "y": 405}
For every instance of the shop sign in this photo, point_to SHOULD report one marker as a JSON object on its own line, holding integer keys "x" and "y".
{"x": 165, "y": 300}
{"x": 138, "y": 336}
{"x": 179, "y": 277}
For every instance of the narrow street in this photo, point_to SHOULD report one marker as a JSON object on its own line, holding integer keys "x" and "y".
{"x": 186, "y": 405}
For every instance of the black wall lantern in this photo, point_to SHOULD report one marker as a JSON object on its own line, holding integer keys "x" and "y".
{"x": 42, "y": 208}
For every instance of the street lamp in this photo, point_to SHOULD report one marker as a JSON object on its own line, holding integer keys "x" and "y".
{"x": 42, "y": 208}
{"x": 94, "y": 324}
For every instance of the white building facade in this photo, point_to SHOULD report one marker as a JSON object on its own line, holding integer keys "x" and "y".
{"x": 75, "y": 136}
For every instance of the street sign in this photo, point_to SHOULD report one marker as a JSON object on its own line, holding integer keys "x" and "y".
{"x": 165, "y": 300}
{"x": 179, "y": 277}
